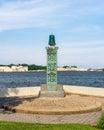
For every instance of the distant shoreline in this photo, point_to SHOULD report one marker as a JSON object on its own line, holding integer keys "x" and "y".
{"x": 45, "y": 71}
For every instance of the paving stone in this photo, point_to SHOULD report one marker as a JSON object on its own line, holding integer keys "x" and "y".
{"x": 85, "y": 118}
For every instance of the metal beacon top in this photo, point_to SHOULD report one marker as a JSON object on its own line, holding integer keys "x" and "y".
{"x": 52, "y": 40}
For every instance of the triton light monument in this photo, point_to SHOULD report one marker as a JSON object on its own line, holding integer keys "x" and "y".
{"x": 52, "y": 89}
{"x": 52, "y": 64}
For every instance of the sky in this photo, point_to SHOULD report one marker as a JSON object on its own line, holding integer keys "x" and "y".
{"x": 78, "y": 26}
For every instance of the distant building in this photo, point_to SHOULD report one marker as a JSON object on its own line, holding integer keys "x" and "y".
{"x": 60, "y": 69}
{"x": 97, "y": 70}
{"x": 13, "y": 69}
{"x": 5, "y": 69}
{"x": 19, "y": 68}
{"x": 71, "y": 69}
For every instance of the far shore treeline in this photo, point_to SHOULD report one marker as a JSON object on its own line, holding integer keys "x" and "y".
{"x": 30, "y": 67}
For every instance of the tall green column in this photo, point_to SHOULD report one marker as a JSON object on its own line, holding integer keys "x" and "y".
{"x": 52, "y": 68}
{"x": 52, "y": 64}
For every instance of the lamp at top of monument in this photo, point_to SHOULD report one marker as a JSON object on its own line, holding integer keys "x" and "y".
{"x": 52, "y": 40}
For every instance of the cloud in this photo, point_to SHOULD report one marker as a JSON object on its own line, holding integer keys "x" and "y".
{"x": 44, "y": 13}
{"x": 83, "y": 44}
{"x": 27, "y": 14}
{"x": 88, "y": 7}
{"x": 20, "y": 54}
{"x": 87, "y": 28}
{"x": 83, "y": 54}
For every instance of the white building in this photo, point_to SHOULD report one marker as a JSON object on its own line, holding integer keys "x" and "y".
{"x": 19, "y": 68}
{"x": 71, "y": 69}
{"x": 13, "y": 69}
{"x": 5, "y": 69}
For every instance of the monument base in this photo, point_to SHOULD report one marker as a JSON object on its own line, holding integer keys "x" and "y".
{"x": 59, "y": 92}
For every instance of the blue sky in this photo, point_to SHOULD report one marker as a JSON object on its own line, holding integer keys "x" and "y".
{"x": 78, "y": 26}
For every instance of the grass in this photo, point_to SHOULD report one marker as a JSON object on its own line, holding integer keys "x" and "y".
{"x": 31, "y": 126}
{"x": 101, "y": 122}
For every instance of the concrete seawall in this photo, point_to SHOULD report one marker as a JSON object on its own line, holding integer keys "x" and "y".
{"x": 19, "y": 91}
{"x": 34, "y": 91}
{"x": 84, "y": 90}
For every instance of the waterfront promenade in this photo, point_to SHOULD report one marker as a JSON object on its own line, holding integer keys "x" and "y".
{"x": 86, "y": 118}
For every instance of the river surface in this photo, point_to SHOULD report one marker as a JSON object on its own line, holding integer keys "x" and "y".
{"x": 24, "y": 79}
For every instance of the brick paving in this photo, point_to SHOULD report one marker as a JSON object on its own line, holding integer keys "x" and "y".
{"x": 67, "y": 105}
{"x": 86, "y": 118}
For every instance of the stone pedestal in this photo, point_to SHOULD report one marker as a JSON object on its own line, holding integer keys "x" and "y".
{"x": 59, "y": 92}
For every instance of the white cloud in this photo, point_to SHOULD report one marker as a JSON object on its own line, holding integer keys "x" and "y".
{"x": 87, "y": 28}
{"x": 24, "y": 14}
{"x": 87, "y": 7}
{"x": 83, "y": 54}
{"x": 83, "y": 44}
{"x": 44, "y": 13}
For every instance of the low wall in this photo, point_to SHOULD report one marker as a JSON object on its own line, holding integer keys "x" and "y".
{"x": 84, "y": 90}
{"x": 34, "y": 91}
{"x": 22, "y": 91}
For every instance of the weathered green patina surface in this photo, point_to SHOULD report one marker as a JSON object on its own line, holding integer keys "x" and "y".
{"x": 52, "y": 64}
{"x": 52, "y": 89}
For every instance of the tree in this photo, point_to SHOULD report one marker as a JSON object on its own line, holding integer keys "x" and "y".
{"x": 36, "y": 67}
{"x": 74, "y": 66}
{"x": 65, "y": 66}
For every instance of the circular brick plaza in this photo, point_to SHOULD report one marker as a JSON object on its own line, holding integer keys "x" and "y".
{"x": 71, "y": 104}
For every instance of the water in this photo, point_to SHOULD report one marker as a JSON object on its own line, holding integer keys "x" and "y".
{"x": 91, "y": 79}
{"x": 23, "y": 79}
